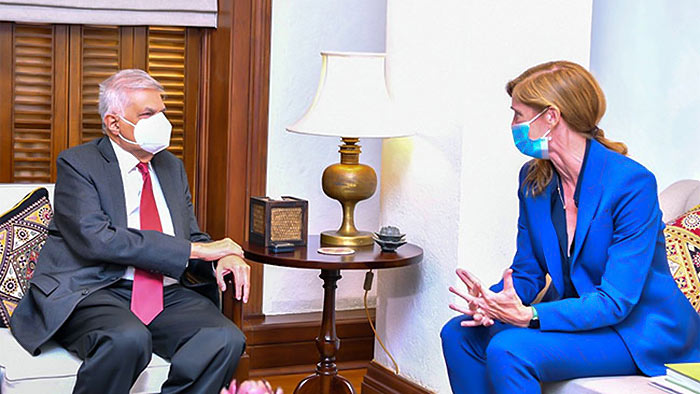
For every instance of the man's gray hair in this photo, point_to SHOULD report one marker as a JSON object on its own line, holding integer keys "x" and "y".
{"x": 114, "y": 91}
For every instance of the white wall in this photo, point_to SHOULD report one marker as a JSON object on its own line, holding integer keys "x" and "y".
{"x": 646, "y": 56}
{"x": 536, "y": 32}
{"x": 452, "y": 187}
{"x": 300, "y": 30}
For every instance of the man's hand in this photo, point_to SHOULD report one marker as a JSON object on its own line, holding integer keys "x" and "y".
{"x": 235, "y": 265}
{"x": 211, "y": 251}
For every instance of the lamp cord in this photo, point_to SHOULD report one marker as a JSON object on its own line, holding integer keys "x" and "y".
{"x": 368, "y": 286}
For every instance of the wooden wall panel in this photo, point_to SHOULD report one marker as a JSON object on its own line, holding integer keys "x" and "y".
{"x": 59, "y": 116}
{"x": 381, "y": 380}
{"x": 288, "y": 341}
{"x": 133, "y": 47}
{"x": 6, "y": 83}
{"x": 216, "y": 127}
{"x": 256, "y": 155}
{"x": 193, "y": 85}
{"x": 236, "y": 118}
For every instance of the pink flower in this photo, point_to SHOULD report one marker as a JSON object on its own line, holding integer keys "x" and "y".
{"x": 251, "y": 387}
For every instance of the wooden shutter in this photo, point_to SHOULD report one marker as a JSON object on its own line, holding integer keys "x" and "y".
{"x": 168, "y": 52}
{"x": 166, "y": 63}
{"x": 95, "y": 52}
{"x": 39, "y": 101}
{"x": 49, "y": 88}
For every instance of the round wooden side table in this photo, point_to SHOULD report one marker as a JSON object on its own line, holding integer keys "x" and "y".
{"x": 326, "y": 379}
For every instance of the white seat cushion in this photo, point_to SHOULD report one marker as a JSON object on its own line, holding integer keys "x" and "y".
{"x": 679, "y": 198}
{"x": 12, "y": 193}
{"x": 631, "y": 384}
{"x": 55, "y": 368}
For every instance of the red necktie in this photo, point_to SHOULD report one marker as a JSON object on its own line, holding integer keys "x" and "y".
{"x": 147, "y": 290}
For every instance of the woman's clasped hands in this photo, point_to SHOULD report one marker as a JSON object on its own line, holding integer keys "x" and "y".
{"x": 485, "y": 306}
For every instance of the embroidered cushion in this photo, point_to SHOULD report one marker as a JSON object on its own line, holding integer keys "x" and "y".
{"x": 683, "y": 251}
{"x": 23, "y": 232}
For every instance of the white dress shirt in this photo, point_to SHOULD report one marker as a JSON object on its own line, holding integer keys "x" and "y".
{"x": 133, "y": 184}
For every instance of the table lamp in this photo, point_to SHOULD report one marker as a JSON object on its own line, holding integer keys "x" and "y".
{"x": 352, "y": 102}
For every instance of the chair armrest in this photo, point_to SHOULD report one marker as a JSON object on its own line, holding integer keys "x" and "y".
{"x": 230, "y": 306}
{"x": 233, "y": 309}
{"x": 678, "y": 198}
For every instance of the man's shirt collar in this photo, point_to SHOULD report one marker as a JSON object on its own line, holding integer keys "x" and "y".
{"x": 127, "y": 161}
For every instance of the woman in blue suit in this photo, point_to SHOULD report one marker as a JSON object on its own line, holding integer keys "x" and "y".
{"x": 590, "y": 218}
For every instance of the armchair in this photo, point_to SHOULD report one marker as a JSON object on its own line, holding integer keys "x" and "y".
{"x": 55, "y": 369}
{"x": 675, "y": 200}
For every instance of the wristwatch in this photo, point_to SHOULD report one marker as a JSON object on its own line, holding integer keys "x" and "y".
{"x": 535, "y": 321}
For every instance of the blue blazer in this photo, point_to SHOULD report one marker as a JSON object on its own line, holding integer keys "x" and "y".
{"x": 618, "y": 264}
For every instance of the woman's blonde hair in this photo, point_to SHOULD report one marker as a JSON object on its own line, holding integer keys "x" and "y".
{"x": 572, "y": 90}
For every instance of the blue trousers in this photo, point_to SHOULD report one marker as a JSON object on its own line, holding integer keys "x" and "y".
{"x": 508, "y": 359}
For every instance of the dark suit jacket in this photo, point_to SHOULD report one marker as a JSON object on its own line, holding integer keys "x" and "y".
{"x": 89, "y": 245}
{"x": 618, "y": 264}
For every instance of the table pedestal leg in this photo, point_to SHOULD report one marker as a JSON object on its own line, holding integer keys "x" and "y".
{"x": 326, "y": 379}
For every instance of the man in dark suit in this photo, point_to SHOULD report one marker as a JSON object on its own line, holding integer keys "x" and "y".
{"x": 125, "y": 265}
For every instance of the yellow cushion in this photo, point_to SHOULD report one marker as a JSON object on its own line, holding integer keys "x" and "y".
{"x": 683, "y": 251}
{"x": 23, "y": 232}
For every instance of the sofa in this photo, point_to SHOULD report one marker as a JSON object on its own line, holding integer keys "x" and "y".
{"x": 55, "y": 369}
{"x": 675, "y": 200}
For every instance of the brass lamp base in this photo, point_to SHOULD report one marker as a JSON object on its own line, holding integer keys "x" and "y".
{"x": 349, "y": 182}
{"x": 362, "y": 238}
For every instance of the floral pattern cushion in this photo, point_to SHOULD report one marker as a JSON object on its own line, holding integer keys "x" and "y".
{"x": 23, "y": 232}
{"x": 683, "y": 251}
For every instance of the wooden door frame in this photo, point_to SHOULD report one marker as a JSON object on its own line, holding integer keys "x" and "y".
{"x": 6, "y": 91}
{"x": 232, "y": 159}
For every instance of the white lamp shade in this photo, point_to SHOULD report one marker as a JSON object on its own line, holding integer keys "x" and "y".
{"x": 352, "y": 100}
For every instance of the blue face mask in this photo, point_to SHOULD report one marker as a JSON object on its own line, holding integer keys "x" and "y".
{"x": 538, "y": 148}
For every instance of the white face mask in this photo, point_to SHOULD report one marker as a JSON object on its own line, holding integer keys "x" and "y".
{"x": 152, "y": 134}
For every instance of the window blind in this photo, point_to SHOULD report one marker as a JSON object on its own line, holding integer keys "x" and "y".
{"x": 200, "y": 13}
